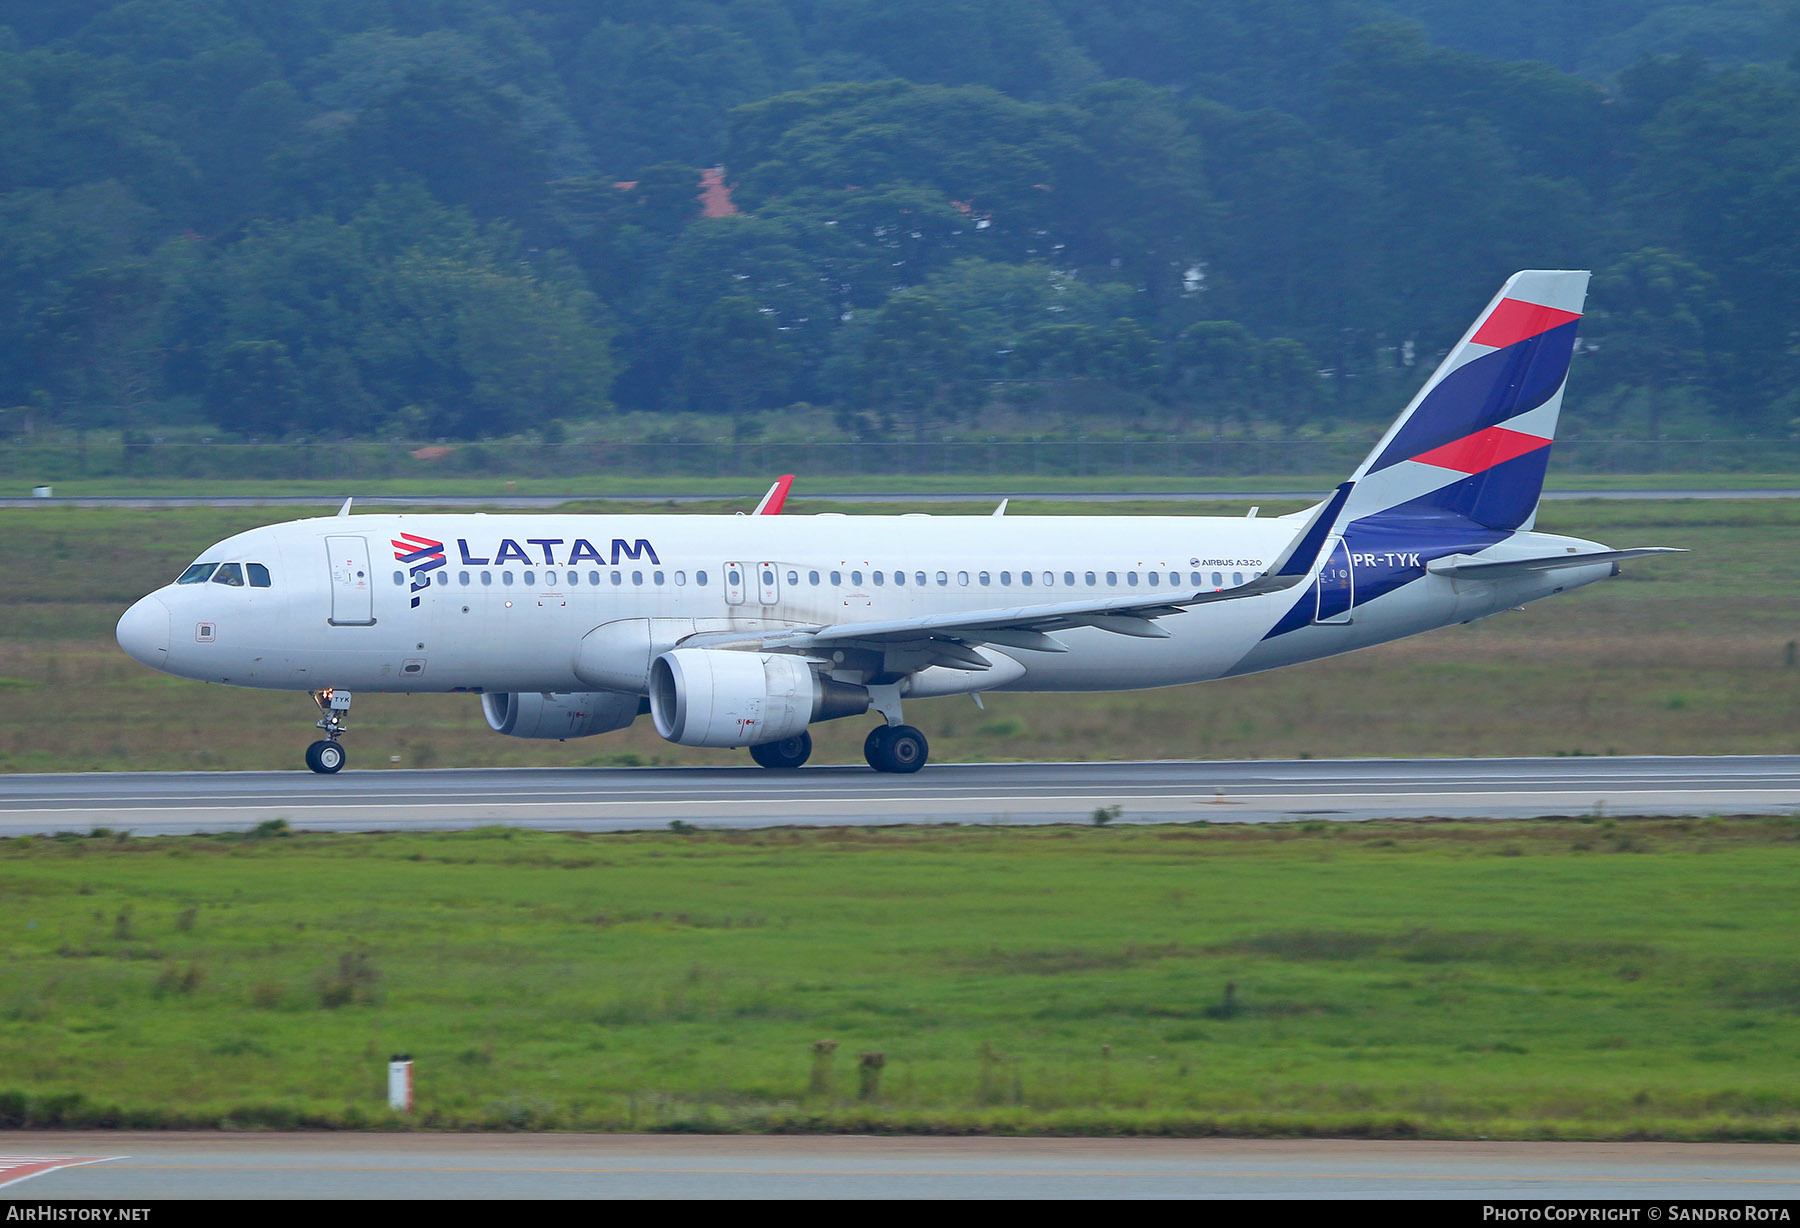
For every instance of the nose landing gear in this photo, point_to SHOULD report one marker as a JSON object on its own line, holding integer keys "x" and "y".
{"x": 326, "y": 756}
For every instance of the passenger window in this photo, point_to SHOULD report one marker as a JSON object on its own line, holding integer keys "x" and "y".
{"x": 982, "y": 579}
{"x": 1218, "y": 580}
{"x": 618, "y": 578}
{"x": 856, "y": 579}
{"x": 919, "y": 578}
{"x": 637, "y": 577}
{"x": 793, "y": 577}
{"x": 1237, "y": 578}
{"x": 962, "y": 578}
{"x": 1006, "y": 577}
{"x": 443, "y": 577}
{"x": 1024, "y": 577}
{"x": 1195, "y": 580}
{"x": 259, "y": 575}
{"x": 399, "y": 577}
{"x": 837, "y": 579}
{"x": 700, "y": 578}
{"x": 231, "y": 574}
{"x": 1112, "y": 579}
{"x": 657, "y": 578}
{"x": 462, "y": 578}
{"x": 1049, "y": 578}
{"x": 530, "y": 578}
{"x": 574, "y": 578}
{"x": 506, "y": 577}
{"x": 812, "y": 578}
{"x": 1089, "y": 577}
{"x": 1174, "y": 579}
{"x": 731, "y": 577}
{"x": 1155, "y": 578}
{"x": 487, "y": 579}
{"x": 593, "y": 577}
{"x": 681, "y": 579}
{"x": 1131, "y": 578}
{"x": 197, "y": 574}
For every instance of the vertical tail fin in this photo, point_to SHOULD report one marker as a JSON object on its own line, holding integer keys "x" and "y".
{"x": 1474, "y": 443}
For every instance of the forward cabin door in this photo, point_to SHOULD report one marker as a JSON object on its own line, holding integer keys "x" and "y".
{"x": 352, "y": 587}
{"x": 1336, "y": 586}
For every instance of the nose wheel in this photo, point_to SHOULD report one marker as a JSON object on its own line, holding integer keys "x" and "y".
{"x": 326, "y": 756}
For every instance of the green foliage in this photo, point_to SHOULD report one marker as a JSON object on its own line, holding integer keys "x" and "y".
{"x": 469, "y": 219}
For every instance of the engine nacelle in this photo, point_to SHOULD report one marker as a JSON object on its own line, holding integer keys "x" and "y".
{"x": 576, "y": 715}
{"x": 719, "y": 697}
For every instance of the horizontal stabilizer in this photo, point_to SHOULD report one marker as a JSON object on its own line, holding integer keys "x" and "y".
{"x": 1465, "y": 567}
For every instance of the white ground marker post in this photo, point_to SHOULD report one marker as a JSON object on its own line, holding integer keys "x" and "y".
{"x": 400, "y": 1083}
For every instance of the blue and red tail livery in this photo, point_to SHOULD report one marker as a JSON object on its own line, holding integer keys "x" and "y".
{"x": 1475, "y": 442}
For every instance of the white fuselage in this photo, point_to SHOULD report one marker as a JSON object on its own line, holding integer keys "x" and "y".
{"x": 515, "y": 596}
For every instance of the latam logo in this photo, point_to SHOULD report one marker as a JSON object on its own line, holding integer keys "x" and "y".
{"x": 581, "y": 550}
{"x": 422, "y": 557}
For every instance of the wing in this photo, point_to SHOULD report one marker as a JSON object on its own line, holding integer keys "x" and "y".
{"x": 1030, "y": 626}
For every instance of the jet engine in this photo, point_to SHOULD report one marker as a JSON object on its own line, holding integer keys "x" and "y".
{"x": 720, "y": 697}
{"x": 576, "y": 715}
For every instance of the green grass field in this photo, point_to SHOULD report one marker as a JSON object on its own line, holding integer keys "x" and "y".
{"x": 1688, "y": 654}
{"x": 1605, "y": 979}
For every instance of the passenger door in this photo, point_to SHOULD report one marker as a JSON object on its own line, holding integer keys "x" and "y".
{"x": 352, "y": 587}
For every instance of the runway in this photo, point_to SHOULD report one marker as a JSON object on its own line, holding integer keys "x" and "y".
{"x": 625, "y": 799}
{"x": 126, "y": 1166}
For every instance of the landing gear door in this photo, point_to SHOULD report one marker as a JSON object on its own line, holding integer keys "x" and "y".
{"x": 1336, "y": 586}
{"x": 352, "y": 587}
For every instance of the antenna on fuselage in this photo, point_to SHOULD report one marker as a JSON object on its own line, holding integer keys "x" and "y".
{"x": 345, "y": 510}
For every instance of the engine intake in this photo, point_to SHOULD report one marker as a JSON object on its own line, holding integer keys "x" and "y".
{"x": 719, "y": 697}
{"x": 576, "y": 715}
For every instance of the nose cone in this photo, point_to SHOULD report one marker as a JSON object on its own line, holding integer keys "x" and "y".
{"x": 144, "y": 632}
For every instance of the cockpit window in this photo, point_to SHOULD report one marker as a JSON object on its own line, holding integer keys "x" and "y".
{"x": 197, "y": 573}
{"x": 229, "y": 573}
{"x": 259, "y": 575}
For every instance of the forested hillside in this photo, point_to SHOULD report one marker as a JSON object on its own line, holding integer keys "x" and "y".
{"x": 455, "y": 219}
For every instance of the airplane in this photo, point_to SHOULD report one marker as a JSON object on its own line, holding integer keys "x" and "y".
{"x": 743, "y": 631}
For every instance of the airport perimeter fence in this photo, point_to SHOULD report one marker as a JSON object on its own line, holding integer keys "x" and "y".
{"x": 43, "y": 462}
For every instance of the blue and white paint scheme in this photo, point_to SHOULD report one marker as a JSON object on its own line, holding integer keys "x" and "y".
{"x": 744, "y": 630}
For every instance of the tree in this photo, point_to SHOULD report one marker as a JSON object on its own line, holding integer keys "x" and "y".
{"x": 1213, "y": 364}
{"x": 1649, "y": 330}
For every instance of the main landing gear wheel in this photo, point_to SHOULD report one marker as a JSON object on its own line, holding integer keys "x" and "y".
{"x": 787, "y": 753}
{"x": 325, "y": 757}
{"x": 896, "y": 748}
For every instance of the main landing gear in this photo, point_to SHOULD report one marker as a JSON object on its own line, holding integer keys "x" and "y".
{"x": 326, "y": 756}
{"x": 787, "y": 753}
{"x": 896, "y": 748}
